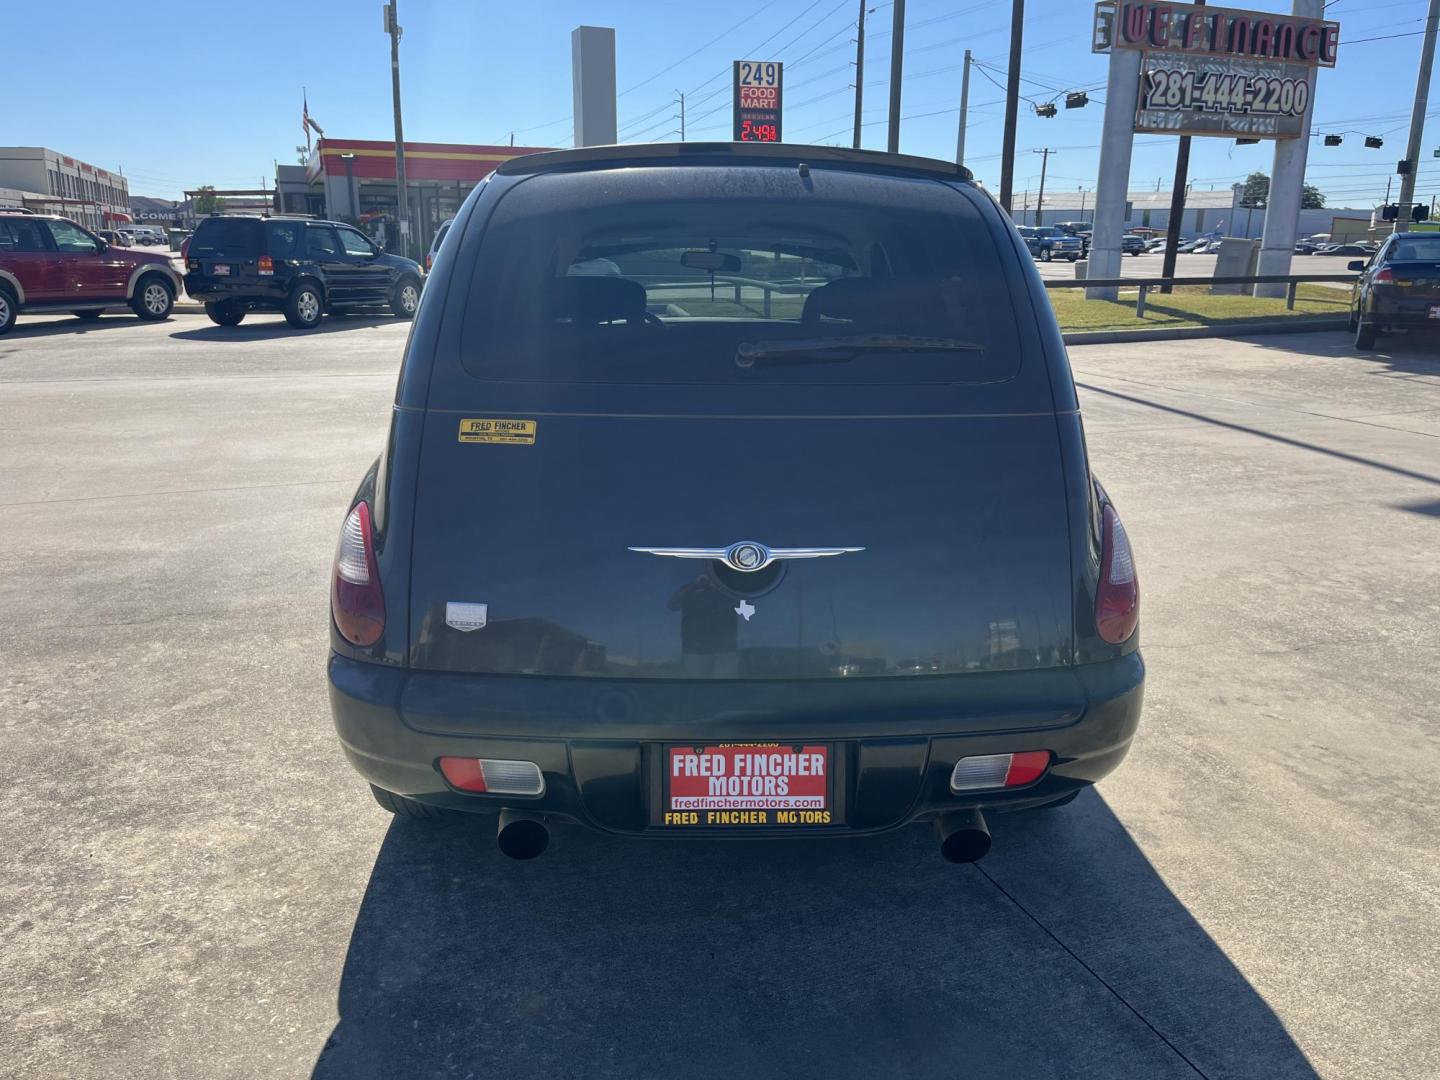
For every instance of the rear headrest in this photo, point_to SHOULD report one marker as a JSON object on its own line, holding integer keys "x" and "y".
{"x": 591, "y": 300}
{"x": 876, "y": 305}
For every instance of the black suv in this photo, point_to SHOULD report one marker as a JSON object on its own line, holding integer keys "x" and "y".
{"x": 295, "y": 265}
{"x": 733, "y": 488}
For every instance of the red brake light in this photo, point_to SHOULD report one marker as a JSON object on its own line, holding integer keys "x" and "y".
{"x": 428, "y": 262}
{"x": 1026, "y": 767}
{"x": 356, "y": 602}
{"x": 265, "y": 264}
{"x": 1384, "y": 275}
{"x": 1117, "y": 601}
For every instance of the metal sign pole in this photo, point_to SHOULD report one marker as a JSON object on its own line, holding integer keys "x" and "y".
{"x": 1287, "y": 179}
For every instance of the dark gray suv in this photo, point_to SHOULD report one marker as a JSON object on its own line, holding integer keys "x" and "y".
{"x": 733, "y": 488}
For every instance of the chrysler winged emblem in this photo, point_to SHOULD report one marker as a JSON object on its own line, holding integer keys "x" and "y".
{"x": 747, "y": 556}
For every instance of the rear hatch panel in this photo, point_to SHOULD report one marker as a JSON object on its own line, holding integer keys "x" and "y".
{"x": 965, "y": 564}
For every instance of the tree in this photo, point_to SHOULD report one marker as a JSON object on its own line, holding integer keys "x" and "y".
{"x": 1256, "y": 194}
{"x": 206, "y": 201}
{"x": 1257, "y": 191}
{"x": 302, "y": 155}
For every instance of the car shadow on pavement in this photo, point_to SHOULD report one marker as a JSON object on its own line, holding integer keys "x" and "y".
{"x": 1063, "y": 954}
{"x": 56, "y": 327}
{"x": 279, "y": 328}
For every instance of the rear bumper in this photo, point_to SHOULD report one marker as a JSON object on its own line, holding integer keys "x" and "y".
{"x": 598, "y": 742}
{"x": 1386, "y": 311}
{"x": 249, "y": 293}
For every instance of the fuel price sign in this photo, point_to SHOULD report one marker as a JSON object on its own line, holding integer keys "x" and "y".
{"x": 758, "y": 86}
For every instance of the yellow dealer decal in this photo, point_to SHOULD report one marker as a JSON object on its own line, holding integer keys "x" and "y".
{"x": 511, "y": 432}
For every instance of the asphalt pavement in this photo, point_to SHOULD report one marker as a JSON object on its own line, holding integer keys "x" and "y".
{"x": 194, "y": 884}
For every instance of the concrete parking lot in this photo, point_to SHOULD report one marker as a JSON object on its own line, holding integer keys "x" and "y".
{"x": 194, "y": 884}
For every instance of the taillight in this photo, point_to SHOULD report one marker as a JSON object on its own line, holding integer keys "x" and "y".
{"x": 493, "y": 776}
{"x": 356, "y": 602}
{"x": 1117, "y": 601}
{"x": 999, "y": 770}
{"x": 1384, "y": 276}
{"x": 428, "y": 262}
{"x": 265, "y": 264}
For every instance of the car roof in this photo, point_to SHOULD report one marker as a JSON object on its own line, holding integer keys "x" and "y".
{"x": 728, "y": 153}
{"x": 273, "y": 217}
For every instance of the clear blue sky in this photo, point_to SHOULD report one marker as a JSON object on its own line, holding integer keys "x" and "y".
{"x": 217, "y": 98}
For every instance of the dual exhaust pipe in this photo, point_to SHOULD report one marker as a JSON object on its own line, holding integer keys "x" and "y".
{"x": 964, "y": 836}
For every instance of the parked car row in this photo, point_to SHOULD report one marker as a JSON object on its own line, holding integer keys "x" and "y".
{"x": 234, "y": 265}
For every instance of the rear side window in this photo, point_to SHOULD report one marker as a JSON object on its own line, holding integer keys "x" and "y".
{"x": 321, "y": 240}
{"x": 21, "y": 236}
{"x": 283, "y": 238}
{"x": 227, "y": 238}
{"x": 681, "y": 278}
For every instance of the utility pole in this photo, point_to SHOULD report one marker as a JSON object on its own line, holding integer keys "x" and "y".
{"x": 682, "y": 116}
{"x": 859, "y": 72}
{"x": 1012, "y": 105}
{"x": 1082, "y": 202}
{"x": 897, "y": 62}
{"x": 1417, "y": 119}
{"x": 964, "y": 111}
{"x": 402, "y": 195}
{"x": 1040, "y": 198}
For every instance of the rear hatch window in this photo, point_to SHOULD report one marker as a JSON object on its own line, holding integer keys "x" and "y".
{"x": 227, "y": 238}
{"x": 244, "y": 238}
{"x": 739, "y": 276}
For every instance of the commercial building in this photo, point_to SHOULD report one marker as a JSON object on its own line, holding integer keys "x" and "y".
{"x": 49, "y": 182}
{"x": 354, "y": 180}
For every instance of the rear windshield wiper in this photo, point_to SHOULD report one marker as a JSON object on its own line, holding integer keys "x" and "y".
{"x": 834, "y": 350}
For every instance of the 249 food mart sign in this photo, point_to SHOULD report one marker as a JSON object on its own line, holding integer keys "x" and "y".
{"x": 759, "y": 88}
{"x": 1219, "y": 71}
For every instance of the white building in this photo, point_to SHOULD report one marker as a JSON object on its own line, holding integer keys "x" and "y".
{"x": 1205, "y": 212}
{"x": 48, "y": 182}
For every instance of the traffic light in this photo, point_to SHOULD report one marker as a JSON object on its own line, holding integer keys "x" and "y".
{"x": 1419, "y": 212}
{"x": 1334, "y": 140}
{"x": 1404, "y": 168}
{"x": 1390, "y": 212}
{"x": 1046, "y": 110}
{"x": 1246, "y": 142}
{"x": 1374, "y": 142}
{"x": 1077, "y": 100}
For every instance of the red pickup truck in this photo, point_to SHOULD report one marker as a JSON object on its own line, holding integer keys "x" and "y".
{"x": 51, "y": 264}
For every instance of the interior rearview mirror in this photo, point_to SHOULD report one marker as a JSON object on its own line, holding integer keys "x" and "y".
{"x": 1357, "y": 264}
{"x": 711, "y": 261}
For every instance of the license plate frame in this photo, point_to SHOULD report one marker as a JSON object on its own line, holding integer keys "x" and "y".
{"x": 685, "y": 801}
{"x": 220, "y": 269}
{"x": 1434, "y": 312}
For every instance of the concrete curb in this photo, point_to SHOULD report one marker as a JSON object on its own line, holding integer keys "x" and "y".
{"x": 1224, "y": 330}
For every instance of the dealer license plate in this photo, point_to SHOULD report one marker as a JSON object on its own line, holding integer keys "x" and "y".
{"x": 1435, "y": 311}
{"x": 747, "y": 784}
{"x": 221, "y": 269}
